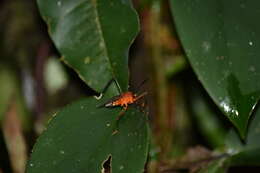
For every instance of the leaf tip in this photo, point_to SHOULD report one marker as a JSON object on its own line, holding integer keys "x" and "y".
{"x": 242, "y": 129}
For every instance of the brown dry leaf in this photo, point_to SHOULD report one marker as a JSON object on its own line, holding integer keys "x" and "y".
{"x": 194, "y": 159}
{"x": 14, "y": 139}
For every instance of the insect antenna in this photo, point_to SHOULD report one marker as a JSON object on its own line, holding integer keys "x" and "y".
{"x": 109, "y": 102}
{"x": 106, "y": 87}
{"x": 137, "y": 90}
{"x": 140, "y": 96}
{"x": 118, "y": 87}
{"x": 109, "y": 83}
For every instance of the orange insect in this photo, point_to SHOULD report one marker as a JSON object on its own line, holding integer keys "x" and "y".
{"x": 124, "y": 99}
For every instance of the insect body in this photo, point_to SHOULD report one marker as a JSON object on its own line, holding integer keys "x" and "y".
{"x": 124, "y": 99}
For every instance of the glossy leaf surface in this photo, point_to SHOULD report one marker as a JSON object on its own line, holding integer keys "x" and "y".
{"x": 237, "y": 152}
{"x": 247, "y": 152}
{"x": 80, "y": 138}
{"x": 222, "y": 43}
{"x": 93, "y": 37}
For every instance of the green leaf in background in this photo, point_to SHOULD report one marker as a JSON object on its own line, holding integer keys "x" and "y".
{"x": 247, "y": 152}
{"x": 210, "y": 126}
{"x": 216, "y": 166}
{"x": 237, "y": 152}
{"x": 93, "y": 37}
{"x": 221, "y": 40}
{"x": 80, "y": 139}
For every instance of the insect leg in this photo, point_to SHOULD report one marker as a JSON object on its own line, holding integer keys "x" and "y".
{"x": 142, "y": 107}
{"x": 121, "y": 113}
{"x": 140, "y": 96}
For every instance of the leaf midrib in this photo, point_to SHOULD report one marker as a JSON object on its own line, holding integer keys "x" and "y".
{"x": 99, "y": 28}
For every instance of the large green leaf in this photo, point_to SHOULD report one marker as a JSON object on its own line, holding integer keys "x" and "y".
{"x": 80, "y": 139}
{"x": 221, "y": 40}
{"x": 93, "y": 37}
